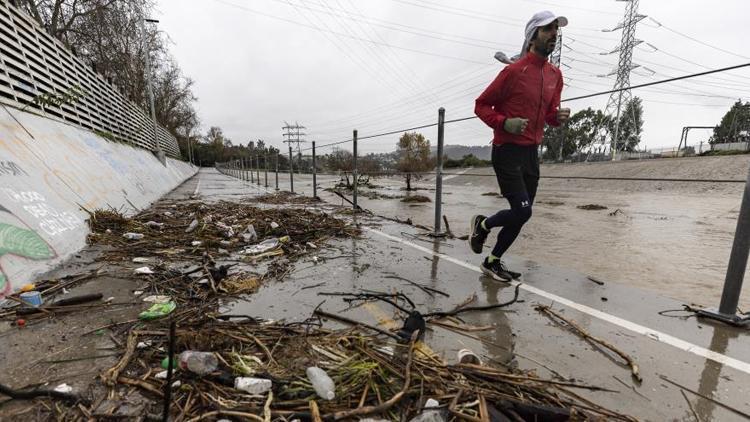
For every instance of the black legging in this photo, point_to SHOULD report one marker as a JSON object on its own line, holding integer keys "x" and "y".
{"x": 511, "y": 221}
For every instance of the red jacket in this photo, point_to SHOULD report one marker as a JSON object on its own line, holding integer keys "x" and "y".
{"x": 529, "y": 88}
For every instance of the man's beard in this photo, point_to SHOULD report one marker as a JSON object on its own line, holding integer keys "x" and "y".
{"x": 545, "y": 49}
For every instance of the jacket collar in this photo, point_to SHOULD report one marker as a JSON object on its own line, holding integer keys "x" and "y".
{"x": 535, "y": 59}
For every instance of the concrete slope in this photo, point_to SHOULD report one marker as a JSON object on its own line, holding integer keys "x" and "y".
{"x": 50, "y": 172}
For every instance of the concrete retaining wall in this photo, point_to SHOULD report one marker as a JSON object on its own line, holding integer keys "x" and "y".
{"x": 49, "y": 172}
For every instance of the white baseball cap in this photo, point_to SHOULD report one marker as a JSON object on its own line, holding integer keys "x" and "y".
{"x": 540, "y": 19}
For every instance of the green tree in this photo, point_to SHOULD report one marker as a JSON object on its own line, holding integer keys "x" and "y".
{"x": 414, "y": 156}
{"x": 631, "y": 126}
{"x": 734, "y": 126}
{"x": 580, "y": 132}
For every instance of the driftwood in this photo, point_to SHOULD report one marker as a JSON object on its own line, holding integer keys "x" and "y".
{"x": 634, "y": 370}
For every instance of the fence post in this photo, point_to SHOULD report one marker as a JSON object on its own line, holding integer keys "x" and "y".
{"x": 265, "y": 168}
{"x": 730, "y": 296}
{"x": 315, "y": 172}
{"x": 257, "y": 169}
{"x": 439, "y": 170}
{"x": 291, "y": 170}
{"x": 277, "y": 171}
{"x": 354, "y": 169}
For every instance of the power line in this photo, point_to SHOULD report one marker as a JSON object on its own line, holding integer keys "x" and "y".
{"x": 638, "y": 86}
{"x": 413, "y": 50}
{"x": 697, "y": 40}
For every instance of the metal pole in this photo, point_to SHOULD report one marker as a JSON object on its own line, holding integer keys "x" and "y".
{"x": 354, "y": 169}
{"x": 730, "y": 296}
{"x": 439, "y": 170}
{"x": 265, "y": 168}
{"x": 315, "y": 172}
{"x": 277, "y": 171}
{"x": 157, "y": 150}
{"x": 257, "y": 169}
{"x": 250, "y": 167}
{"x": 291, "y": 170}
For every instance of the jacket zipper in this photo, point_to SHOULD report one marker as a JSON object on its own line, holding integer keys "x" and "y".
{"x": 541, "y": 100}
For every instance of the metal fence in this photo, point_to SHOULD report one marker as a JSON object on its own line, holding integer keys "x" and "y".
{"x": 33, "y": 64}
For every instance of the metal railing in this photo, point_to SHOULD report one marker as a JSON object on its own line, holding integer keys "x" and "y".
{"x": 35, "y": 64}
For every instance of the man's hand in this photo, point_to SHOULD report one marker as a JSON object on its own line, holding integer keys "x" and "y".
{"x": 563, "y": 114}
{"x": 515, "y": 125}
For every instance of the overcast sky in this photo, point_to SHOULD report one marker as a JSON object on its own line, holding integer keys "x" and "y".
{"x": 381, "y": 65}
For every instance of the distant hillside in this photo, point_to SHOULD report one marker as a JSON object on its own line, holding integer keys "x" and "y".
{"x": 456, "y": 152}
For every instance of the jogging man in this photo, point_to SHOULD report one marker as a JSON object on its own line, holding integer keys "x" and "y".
{"x": 516, "y": 105}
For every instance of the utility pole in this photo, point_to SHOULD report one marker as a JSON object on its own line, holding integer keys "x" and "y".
{"x": 293, "y": 136}
{"x": 625, "y": 65}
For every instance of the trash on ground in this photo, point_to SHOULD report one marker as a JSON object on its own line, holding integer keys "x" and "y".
{"x": 201, "y": 363}
{"x": 141, "y": 260}
{"x": 133, "y": 236}
{"x": 157, "y": 299}
{"x": 321, "y": 383}
{"x": 192, "y": 226}
{"x": 158, "y": 310}
{"x": 32, "y": 298}
{"x": 143, "y": 270}
{"x": 63, "y": 388}
{"x": 252, "y": 385}
{"x": 154, "y": 225}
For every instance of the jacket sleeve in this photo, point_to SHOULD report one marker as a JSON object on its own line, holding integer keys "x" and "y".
{"x": 551, "y": 116}
{"x": 484, "y": 106}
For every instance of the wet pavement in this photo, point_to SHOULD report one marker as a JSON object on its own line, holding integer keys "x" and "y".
{"x": 671, "y": 238}
{"x": 710, "y": 360}
{"x": 698, "y": 355}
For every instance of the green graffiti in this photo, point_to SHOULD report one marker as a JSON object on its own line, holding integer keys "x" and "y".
{"x": 2, "y": 283}
{"x": 22, "y": 242}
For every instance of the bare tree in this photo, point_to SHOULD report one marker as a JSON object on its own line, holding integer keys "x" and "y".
{"x": 414, "y": 156}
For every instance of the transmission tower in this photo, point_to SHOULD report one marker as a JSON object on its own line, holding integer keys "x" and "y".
{"x": 625, "y": 65}
{"x": 293, "y": 136}
{"x": 556, "y": 57}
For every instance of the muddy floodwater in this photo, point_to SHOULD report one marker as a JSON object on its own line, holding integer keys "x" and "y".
{"x": 673, "y": 238}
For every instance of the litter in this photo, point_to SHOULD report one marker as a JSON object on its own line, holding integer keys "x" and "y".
{"x": 157, "y": 310}
{"x": 133, "y": 236}
{"x": 201, "y": 363}
{"x": 63, "y": 388}
{"x": 143, "y": 270}
{"x": 157, "y": 299}
{"x": 141, "y": 260}
{"x": 192, "y": 226}
{"x": 252, "y": 385}
{"x": 154, "y": 225}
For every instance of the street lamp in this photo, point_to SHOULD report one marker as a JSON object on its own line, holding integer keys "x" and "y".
{"x": 158, "y": 150}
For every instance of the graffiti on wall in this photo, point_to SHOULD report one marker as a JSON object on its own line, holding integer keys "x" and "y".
{"x": 23, "y": 242}
{"x": 49, "y": 220}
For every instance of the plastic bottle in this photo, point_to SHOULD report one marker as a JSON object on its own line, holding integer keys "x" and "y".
{"x": 430, "y": 413}
{"x": 321, "y": 382}
{"x": 252, "y": 385}
{"x": 201, "y": 363}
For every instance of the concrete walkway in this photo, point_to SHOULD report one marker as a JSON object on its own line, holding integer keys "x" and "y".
{"x": 710, "y": 360}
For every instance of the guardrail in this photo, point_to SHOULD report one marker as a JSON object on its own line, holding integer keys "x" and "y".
{"x": 34, "y": 64}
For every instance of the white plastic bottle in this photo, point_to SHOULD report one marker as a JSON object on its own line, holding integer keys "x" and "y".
{"x": 201, "y": 363}
{"x": 321, "y": 382}
{"x": 431, "y": 413}
{"x": 252, "y": 385}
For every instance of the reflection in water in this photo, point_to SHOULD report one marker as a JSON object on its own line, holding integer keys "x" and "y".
{"x": 502, "y": 340}
{"x": 712, "y": 371}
